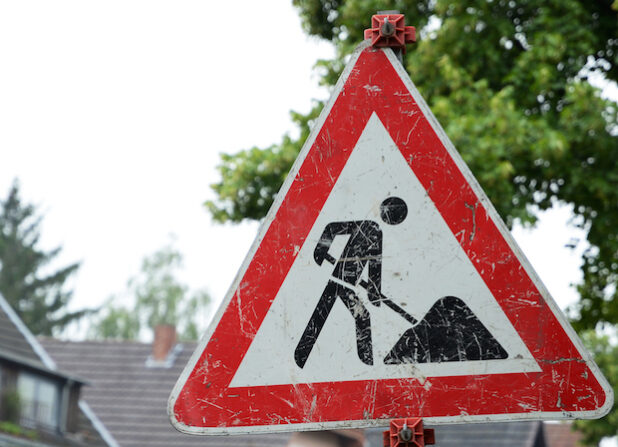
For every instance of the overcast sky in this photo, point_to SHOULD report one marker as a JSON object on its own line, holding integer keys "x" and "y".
{"x": 113, "y": 115}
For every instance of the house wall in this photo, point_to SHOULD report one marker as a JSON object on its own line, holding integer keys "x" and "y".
{"x": 72, "y": 415}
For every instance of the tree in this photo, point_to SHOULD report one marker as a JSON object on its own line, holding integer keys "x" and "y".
{"x": 156, "y": 297}
{"x": 38, "y": 296}
{"x": 507, "y": 79}
{"x": 115, "y": 322}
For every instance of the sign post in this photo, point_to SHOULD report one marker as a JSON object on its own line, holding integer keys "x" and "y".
{"x": 382, "y": 285}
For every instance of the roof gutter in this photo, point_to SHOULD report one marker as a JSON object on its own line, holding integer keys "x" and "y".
{"x": 97, "y": 424}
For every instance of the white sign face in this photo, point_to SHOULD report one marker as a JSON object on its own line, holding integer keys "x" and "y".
{"x": 421, "y": 263}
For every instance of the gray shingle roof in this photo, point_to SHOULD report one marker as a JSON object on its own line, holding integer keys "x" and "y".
{"x": 502, "y": 434}
{"x": 131, "y": 398}
{"x": 12, "y": 339}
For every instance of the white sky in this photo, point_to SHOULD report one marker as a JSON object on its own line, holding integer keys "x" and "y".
{"x": 112, "y": 115}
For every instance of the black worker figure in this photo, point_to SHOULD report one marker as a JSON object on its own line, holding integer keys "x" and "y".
{"x": 449, "y": 331}
{"x": 363, "y": 249}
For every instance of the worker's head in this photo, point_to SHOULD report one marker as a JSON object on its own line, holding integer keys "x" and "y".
{"x": 393, "y": 210}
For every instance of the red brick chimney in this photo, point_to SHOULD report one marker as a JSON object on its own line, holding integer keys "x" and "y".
{"x": 164, "y": 341}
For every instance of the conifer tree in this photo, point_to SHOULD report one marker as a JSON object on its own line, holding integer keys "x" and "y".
{"x": 39, "y": 296}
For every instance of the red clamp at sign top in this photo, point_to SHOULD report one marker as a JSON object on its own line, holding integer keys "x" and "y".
{"x": 408, "y": 432}
{"x": 390, "y": 30}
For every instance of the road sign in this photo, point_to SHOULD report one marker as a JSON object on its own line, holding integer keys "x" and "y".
{"x": 383, "y": 284}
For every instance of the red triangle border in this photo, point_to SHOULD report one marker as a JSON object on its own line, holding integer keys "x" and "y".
{"x": 569, "y": 383}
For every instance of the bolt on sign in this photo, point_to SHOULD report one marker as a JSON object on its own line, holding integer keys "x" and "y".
{"x": 383, "y": 284}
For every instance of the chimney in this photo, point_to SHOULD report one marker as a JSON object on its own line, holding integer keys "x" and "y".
{"x": 164, "y": 341}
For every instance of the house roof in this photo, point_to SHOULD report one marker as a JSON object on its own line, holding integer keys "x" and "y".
{"x": 18, "y": 345}
{"x": 502, "y": 434}
{"x": 129, "y": 395}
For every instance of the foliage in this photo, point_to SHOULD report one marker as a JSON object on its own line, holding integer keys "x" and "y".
{"x": 115, "y": 322}
{"x": 157, "y": 297}
{"x": 12, "y": 428}
{"x": 253, "y": 177}
{"x": 507, "y": 81}
{"x": 606, "y": 357}
{"x": 11, "y": 411}
{"x": 39, "y": 296}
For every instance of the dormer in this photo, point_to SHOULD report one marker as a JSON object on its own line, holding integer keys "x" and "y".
{"x": 36, "y": 399}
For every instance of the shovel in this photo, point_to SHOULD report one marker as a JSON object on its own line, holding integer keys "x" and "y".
{"x": 383, "y": 299}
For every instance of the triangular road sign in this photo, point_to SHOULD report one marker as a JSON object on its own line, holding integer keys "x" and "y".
{"x": 383, "y": 284}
